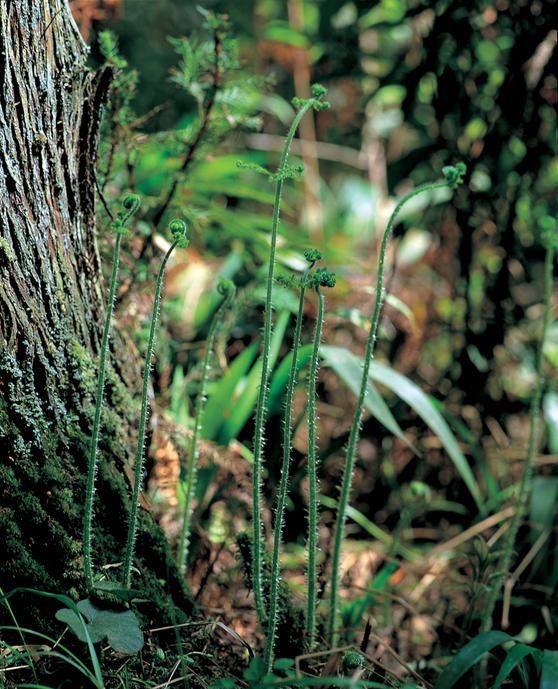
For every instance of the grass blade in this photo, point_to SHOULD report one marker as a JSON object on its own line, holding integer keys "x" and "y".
{"x": 469, "y": 656}
{"x": 515, "y": 656}
{"x": 349, "y": 369}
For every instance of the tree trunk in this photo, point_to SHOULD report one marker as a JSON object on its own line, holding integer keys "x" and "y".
{"x": 51, "y": 311}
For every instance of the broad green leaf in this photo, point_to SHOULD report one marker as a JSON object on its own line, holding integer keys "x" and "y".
{"x": 256, "y": 670}
{"x": 349, "y": 369}
{"x": 73, "y": 621}
{"x": 515, "y": 656}
{"x": 469, "y": 656}
{"x": 220, "y": 403}
{"x": 347, "y": 364}
{"x": 245, "y": 401}
{"x": 410, "y": 393}
{"x": 549, "y": 675}
{"x": 121, "y": 629}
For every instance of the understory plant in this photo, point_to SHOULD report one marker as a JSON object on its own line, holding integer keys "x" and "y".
{"x": 307, "y": 279}
{"x": 322, "y": 278}
{"x": 453, "y": 177}
{"x": 314, "y": 103}
{"x": 187, "y": 483}
{"x": 130, "y": 205}
{"x": 180, "y": 239}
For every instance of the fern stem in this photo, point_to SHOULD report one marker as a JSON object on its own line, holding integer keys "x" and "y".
{"x": 526, "y": 483}
{"x": 188, "y": 484}
{"x": 140, "y": 449}
{"x": 131, "y": 204}
{"x": 354, "y": 435}
{"x": 284, "y": 480}
{"x": 261, "y": 404}
{"x": 311, "y": 576}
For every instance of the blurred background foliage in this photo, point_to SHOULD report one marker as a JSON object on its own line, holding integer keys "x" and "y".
{"x": 414, "y": 85}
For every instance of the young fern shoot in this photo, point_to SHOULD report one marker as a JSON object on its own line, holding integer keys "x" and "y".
{"x": 321, "y": 278}
{"x": 526, "y": 483}
{"x": 316, "y": 103}
{"x": 453, "y": 177}
{"x": 130, "y": 204}
{"x": 311, "y": 257}
{"x": 180, "y": 239}
{"x": 188, "y": 482}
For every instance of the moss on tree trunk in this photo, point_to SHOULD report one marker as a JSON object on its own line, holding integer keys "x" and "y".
{"x": 51, "y": 312}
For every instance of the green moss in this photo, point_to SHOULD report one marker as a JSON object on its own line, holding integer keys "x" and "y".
{"x": 83, "y": 369}
{"x": 42, "y": 488}
{"x": 290, "y": 626}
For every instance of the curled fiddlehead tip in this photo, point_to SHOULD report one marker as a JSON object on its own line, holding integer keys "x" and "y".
{"x": 225, "y": 287}
{"x": 318, "y": 90}
{"x": 130, "y": 206}
{"x": 179, "y": 231}
{"x": 324, "y": 278}
{"x": 352, "y": 661}
{"x": 454, "y": 174}
{"x": 312, "y": 255}
{"x": 131, "y": 202}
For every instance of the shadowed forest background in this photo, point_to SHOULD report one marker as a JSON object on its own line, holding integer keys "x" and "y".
{"x": 463, "y": 388}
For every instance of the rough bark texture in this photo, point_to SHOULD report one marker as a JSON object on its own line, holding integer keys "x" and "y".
{"x": 51, "y": 309}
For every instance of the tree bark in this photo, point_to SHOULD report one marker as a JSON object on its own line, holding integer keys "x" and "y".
{"x": 51, "y": 311}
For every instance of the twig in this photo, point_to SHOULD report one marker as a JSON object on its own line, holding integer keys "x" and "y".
{"x": 189, "y": 157}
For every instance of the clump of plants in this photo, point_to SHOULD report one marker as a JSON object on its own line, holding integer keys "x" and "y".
{"x": 118, "y": 625}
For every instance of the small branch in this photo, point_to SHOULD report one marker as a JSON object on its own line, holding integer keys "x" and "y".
{"x": 189, "y": 157}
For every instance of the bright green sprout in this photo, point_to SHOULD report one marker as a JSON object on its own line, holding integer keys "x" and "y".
{"x": 131, "y": 204}
{"x": 312, "y": 255}
{"x": 454, "y": 174}
{"x": 282, "y": 492}
{"x": 324, "y": 278}
{"x": 316, "y": 103}
{"x": 318, "y": 91}
{"x": 352, "y": 661}
{"x": 179, "y": 232}
{"x": 188, "y": 484}
{"x": 261, "y": 405}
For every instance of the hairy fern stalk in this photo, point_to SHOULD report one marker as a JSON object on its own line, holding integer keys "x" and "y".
{"x": 178, "y": 229}
{"x": 311, "y": 257}
{"x": 323, "y": 279}
{"x": 257, "y": 528}
{"x": 227, "y": 289}
{"x": 131, "y": 204}
{"x": 453, "y": 177}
